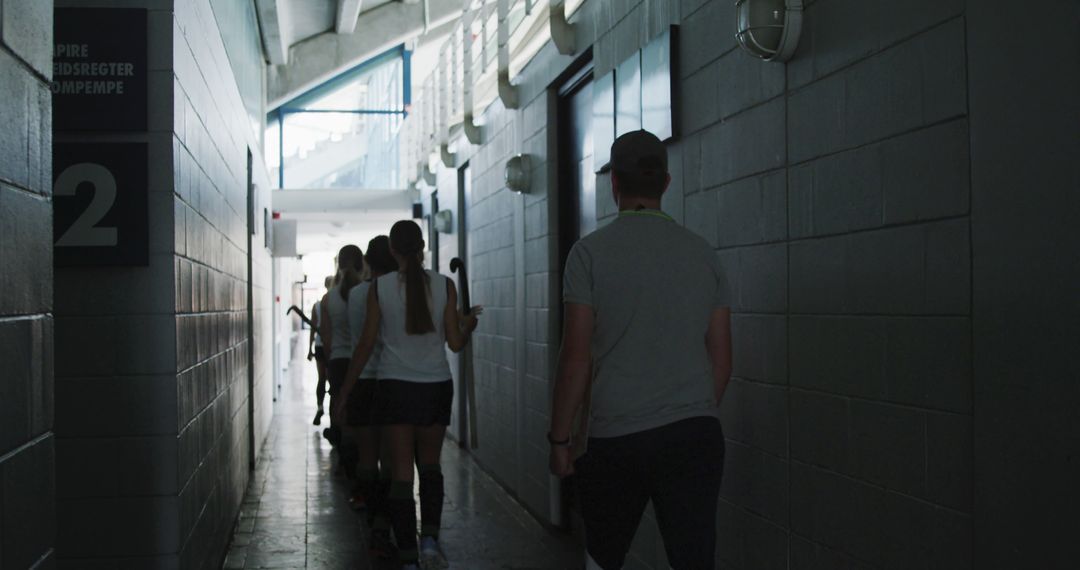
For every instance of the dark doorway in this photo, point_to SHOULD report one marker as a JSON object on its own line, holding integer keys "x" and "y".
{"x": 577, "y": 209}
{"x": 463, "y": 365}
{"x": 250, "y": 329}
{"x": 577, "y": 180}
{"x": 433, "y": 232}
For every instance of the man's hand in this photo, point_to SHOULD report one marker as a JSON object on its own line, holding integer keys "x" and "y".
{"x": 310, "y": 355}
{"x": 572, "y": 381}
{"x": 561, "y": 462}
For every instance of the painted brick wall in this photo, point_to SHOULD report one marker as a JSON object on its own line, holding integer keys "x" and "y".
{"x": 837, "y": 192}
{"x": 1025, "y": 267}
{"x": 154, "y": 438}
{"x": 117, "y": 452}
{"x": 211, "y": 144}
{"x": 449, "y": 248}
{"x": 27, "y": 442}
{"x": 514, "y": 264}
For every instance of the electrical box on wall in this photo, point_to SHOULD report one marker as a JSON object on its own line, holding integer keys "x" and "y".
{"x": 284, "y": 233}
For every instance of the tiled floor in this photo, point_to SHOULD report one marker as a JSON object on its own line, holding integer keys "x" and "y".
{"x": 295, "y": 515}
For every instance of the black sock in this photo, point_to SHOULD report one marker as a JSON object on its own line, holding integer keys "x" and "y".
{"x": 366, "y": 479}
{"x": 380, "y": 488}
{"x": 348, "y": 455}
{"x": 402, "y": 510}
{"x": 431, "y": 499}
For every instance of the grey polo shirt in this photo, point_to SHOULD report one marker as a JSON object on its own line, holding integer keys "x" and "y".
{"x": 652, "y": 285}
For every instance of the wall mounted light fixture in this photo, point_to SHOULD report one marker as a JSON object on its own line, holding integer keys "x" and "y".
{"x": 516, "y": 173}
{"x": 769, "y": 29}
{"x": 443, "y": 221}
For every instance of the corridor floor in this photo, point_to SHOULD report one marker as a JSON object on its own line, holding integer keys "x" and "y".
{"x": 295, "y": 514}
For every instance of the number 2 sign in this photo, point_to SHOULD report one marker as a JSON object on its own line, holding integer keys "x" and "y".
{"x": 100, "y": 204}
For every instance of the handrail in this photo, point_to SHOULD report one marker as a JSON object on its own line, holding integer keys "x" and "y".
{"x": 507, "y": 92}
{"x": 472, "y": 131}
{"x": 476, "y": 63}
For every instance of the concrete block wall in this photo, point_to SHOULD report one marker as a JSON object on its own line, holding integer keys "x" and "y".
{"x": 493, "y": 274}
{"x": 27, "y": 441}
{"x": 838, "y": 192}
{"x": 448, "y": 248}
{"x": 212, "y": 138}
{"x": 117, "y": 475}
{"x": 512, "y": 250}
{"x": 1024, "y": 207}
{"x": 262, "y": 304}
{"x": 849, "y": 420}
{"x": 154, "y": 426}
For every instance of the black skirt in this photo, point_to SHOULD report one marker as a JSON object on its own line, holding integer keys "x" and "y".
{"x": 413, "y": 403}
{"x": 360, "y": 409}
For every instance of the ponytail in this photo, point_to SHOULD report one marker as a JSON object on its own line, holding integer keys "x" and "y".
{"x": 417, "y": 311}
{"x": 407, "y": 241}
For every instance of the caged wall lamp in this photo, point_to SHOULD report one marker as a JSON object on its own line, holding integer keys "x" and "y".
{"x": 769, "y": 29}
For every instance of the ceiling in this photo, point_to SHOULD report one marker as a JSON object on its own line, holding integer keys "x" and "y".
{"x": 330, "y": 218}
{"x": 305, "y": 19}
{"x": 306, "y": 43}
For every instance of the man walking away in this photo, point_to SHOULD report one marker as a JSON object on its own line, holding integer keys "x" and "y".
{"x": 646, "y": 304}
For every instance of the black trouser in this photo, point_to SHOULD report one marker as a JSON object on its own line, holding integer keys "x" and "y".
{"x": 678, "y": 466}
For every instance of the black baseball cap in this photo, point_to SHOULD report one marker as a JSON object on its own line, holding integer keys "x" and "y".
{"x": 638, "y": 153}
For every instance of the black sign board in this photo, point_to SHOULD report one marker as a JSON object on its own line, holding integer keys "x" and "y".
{"x": 657, "y": 74}
{"x": 100, "y": 204}
{"x": 638, "y": 94}
{"x": 99, "y": 69}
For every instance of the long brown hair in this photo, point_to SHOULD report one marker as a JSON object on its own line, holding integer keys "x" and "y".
{"x": 378, "y": 257}
{"x": 407, "y": 241}
{"x": 350, "y": 264}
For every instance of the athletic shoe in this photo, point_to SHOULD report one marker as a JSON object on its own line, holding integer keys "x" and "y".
{"x": 318, "y": 417}
{"x": 431, "y": 556}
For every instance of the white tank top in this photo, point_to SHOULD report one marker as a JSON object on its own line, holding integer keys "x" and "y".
{"x": 341, "y": 338}
{"x": 415, "y": 358}
{"x": 357, "y": 314}
{"x": 316, "y": 315}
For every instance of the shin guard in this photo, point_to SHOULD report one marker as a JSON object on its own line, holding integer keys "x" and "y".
{"x": 402, "y": 510}
{"x": 431, "y": 499}
{"x": 378, "y": 517}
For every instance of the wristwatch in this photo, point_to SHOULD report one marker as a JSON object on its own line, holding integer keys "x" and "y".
{"x": 558, "y": 443}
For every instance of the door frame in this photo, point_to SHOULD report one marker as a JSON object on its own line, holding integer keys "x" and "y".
{"x": 464, "y": 195}
{"x": 568, "y": 204}
{"x": 252, "y": 220}
{"x": 568, "y": 212}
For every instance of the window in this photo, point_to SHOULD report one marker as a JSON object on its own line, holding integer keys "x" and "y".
{"x": 344, "y": 133}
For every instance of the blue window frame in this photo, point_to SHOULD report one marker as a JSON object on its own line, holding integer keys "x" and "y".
{"x": 344, "y": 133}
